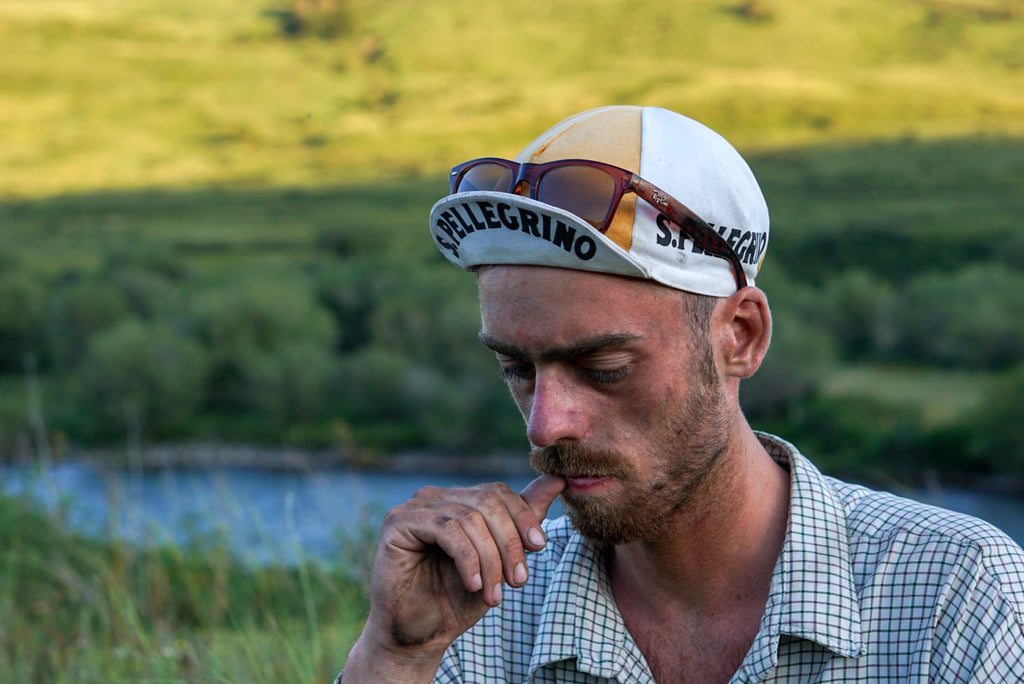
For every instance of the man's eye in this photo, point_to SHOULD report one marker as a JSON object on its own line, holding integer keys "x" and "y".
{"x": 512, "y": 374}
{"x": 606, "y": 377}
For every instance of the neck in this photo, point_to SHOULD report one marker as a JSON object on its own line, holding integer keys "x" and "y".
{"x": 720, "y": 552}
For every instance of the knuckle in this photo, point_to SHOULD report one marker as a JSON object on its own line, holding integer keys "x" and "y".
{"x": 475, "y": 518}
{"x": 428, "y": 492}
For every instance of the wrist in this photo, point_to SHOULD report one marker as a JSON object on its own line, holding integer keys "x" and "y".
{"x": 375, "y": 660}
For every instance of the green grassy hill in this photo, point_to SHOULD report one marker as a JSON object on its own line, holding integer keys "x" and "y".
{"x": 102, "y": 94}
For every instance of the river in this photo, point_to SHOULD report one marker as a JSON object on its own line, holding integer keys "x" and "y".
{"x": 273, "y": 516}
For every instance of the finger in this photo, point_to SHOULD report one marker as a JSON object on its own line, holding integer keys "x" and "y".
{"x": 444, "y": 530}
{"x": 541, "y": 493}
{"x": 508, "y": 519}
{"x": 491, "y": 535}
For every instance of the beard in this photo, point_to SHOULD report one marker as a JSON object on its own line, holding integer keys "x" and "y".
{"x": 686, "y": 445}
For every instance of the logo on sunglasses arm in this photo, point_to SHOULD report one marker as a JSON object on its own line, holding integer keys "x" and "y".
{"x": 456, "y": 223}
{"x": 748, "y": 244}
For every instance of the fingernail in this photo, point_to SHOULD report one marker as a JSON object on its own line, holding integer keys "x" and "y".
{"x": 519, "y": 574}
{"x": 496, "y": 594}
{"x": 476, "y": 584}
{"x": 535, "y": 536}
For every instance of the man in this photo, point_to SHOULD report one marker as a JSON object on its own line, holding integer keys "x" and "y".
{"x": 616, "y": 259}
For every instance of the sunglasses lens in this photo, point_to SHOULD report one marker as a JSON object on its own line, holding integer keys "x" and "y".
{"x": 585, "y": 191}
{"x": 485, "y": 176}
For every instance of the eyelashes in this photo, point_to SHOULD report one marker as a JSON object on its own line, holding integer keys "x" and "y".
{"x": 516, "y": 374}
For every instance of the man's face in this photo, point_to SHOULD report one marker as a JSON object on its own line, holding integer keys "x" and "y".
{"x": 619, "y": 394}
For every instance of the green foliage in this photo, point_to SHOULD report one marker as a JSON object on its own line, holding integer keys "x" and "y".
{"x": 22, "y": 305}
{"x": 326, "y": 316}
{"x": 270, "y": 348}
{"x": 858, "y": 437}
{"x": 799, "y": 354}
{"x": 139, "y": 378}
{"x": 967, "y": 318}
{"x": 79, "y": 309}
{"x": 995, "y": 432}
{"x": 859, "y": 313}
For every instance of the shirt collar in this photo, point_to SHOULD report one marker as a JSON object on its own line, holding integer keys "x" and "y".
{"x": 813, "y": 595}
{"x": 580, "y": 620}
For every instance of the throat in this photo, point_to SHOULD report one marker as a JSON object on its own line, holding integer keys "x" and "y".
{"x": 692, "y": 636}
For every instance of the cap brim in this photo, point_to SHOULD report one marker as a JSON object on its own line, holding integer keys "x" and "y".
{"x": 481, "y": 228}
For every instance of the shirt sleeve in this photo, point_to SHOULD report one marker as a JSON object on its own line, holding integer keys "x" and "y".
{"x": 979, "y": 635}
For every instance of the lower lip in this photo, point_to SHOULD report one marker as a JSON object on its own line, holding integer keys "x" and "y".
{"x": 587, "y": 485}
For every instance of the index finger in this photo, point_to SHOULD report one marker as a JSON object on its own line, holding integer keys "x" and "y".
{"x": 539, "y": 495}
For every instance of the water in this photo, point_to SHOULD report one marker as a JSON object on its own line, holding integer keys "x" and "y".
{"x": 263, "y": 515}
{"x": 270, "y": 516}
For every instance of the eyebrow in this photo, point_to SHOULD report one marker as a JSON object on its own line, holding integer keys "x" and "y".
{"x": 584, "y": 347}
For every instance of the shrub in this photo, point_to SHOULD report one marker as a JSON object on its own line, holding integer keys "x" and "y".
{"x": 969, "y": 318}
{"x": 319, "y": 18}
{"x": 856, "y": 309}
{"x": 22, "y": 303}
{"x": 139, "y": 376}
{"x": 80, "y": 308}
{"x": 257, "y": 335}
{"x": 995, "y": 433}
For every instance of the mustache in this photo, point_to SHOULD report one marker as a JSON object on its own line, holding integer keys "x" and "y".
{"x": 575, "y": 460}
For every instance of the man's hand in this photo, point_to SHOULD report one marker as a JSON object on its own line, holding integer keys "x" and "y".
{"x": 441, "y": 563}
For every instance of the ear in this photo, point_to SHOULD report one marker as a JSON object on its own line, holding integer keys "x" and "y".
{"x": 744, "y": 325}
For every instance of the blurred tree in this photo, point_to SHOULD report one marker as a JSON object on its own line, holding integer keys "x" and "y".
{"x": 265, "y": 339}
{"x": 79, "y": 308}
{"x": 151, "y": 280}
{"x": 856, "y": 309}
{"x": 291, "y": 385}
{"x": 137, "y": 375}
{"x": 22, "y": 303}
{"x": 325, "y": 19}
{"x": 996, "y": 431}
{"x": 969, "y": 318}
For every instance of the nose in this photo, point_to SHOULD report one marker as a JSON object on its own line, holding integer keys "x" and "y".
{"x": 555, "y": 410}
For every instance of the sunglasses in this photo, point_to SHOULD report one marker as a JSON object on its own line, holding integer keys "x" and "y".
{"x": 592, "y": 191}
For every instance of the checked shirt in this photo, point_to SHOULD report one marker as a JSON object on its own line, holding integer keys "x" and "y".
{"x": 869, "y": 587}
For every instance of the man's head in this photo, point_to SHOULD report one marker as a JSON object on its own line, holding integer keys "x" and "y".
{"x": 627, "y": 388}
{"x": 701, "y": 225}
{"x": 622, "y": 329}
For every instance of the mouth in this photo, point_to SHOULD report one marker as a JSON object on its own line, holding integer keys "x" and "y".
{"x": 582, "y": 485}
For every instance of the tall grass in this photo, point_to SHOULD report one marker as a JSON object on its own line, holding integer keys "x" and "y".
{"x": 79, "y": 609}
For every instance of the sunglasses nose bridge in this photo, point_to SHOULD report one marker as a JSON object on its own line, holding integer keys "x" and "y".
{"x": 521, "y": 181}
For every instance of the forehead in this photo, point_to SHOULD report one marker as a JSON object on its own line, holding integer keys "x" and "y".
{"x": 525, "y": 304}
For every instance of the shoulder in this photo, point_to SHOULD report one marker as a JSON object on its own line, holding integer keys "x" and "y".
{"x": 877, "y": 516}
{"x": 927, "y": 545}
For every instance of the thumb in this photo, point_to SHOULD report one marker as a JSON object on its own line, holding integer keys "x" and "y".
{"x": 540, "y": 493}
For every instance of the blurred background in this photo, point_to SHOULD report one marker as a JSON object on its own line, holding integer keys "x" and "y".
{"x": 227, "y": 343}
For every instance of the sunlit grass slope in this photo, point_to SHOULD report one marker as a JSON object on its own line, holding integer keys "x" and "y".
{"x": 185, "y": 93}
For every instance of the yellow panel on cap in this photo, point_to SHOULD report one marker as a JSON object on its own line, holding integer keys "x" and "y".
{"x": 611, "y": 135}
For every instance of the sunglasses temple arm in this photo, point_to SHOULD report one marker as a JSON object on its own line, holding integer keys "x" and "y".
{"x": 697, "y": 229}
